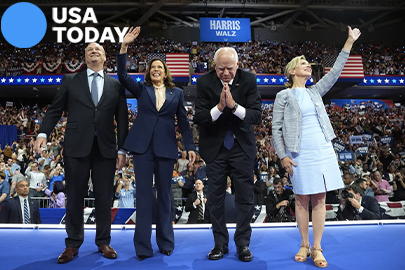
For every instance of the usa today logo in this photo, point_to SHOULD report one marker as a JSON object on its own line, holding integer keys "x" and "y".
{"x": 24, "y": 25}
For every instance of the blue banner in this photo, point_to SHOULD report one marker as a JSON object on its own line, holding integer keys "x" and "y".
{"x": 368, "y": 137}
{"x": 339, "y": 147}
{"x": 362, "y": 104}
{"x": 267, "y": 104}
{"x": 343, "y": 156}
{"x": 261, "y": 79}
{"x": 357, "y": 139}
{"x": 387, "y": 140}
{"x": 132, "y": 104}
{"x": 225, "y": 30}
{"x": 362, "y": 150}
{"x": 264, "y": 177}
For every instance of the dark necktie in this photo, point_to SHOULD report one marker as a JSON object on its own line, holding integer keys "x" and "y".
{"x": 94, "y": 89}
{"x": 229, "y": 140}
{"x": 26, "y": 213}
{"x": 200, "y": 208}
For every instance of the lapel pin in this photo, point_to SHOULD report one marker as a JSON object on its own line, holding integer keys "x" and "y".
{"x": 171, "y": 93}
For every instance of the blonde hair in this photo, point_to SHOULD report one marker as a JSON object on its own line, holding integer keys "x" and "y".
{"x": 290, "y": 66}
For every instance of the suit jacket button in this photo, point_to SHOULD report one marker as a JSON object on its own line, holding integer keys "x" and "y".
{"x": 93, "y": 123}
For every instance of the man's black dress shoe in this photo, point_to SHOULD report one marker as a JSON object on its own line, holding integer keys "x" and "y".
{"x": 166, "y": 252}
{"x": 244, "y": 254}
{"x": 142, "y": 257}
{"x": 218, "y": 252}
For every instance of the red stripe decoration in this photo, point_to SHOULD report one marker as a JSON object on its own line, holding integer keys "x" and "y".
{"x": 352, "y": 69}
{"x": 178, "y": 64}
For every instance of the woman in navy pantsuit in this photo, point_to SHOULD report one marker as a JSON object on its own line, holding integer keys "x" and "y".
{"x": 152, "y": 141}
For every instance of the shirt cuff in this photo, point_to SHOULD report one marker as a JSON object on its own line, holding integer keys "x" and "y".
{"x": 215, "y": 113}
{"x": 361, "y": 209}
{"x": 121, "y": 151}
{"x": 42, "y": 135}
{"x": 240, "y": 112}
{"x": 195, "y": 206}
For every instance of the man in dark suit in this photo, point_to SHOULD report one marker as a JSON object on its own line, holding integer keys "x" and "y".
{"x": 354, "y": 206}
{"x": 20, "y": 209}
{"x": 93, "y": 101}
{"x": 196, "y": 204}
{"x": 228, "y": 104}
{"x": 260, "y": 190}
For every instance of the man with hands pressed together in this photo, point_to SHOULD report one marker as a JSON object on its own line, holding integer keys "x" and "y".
{"x": 228, "y": 105}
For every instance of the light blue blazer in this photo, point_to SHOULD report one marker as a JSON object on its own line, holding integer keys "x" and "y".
{"x": 287, "y": 118}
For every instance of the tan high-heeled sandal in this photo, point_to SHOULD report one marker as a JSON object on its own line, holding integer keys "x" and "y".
{"x": 318, "y": 258}
{"x": 303, "y": 253}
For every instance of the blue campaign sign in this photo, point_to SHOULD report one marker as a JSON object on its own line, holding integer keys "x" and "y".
{"x": 338, "y": 147}
{"x": 343, "y": 156}
{"x": 225, "y": 29}
{"x": 267, "y": 104}
{"x": 387, "y": 140}
{"x": 362, "y": 150}
{"x": 132, "y": 104}
{"x": 368, "y": 137}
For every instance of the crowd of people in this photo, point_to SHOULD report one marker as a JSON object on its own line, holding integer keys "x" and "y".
{"x": 383, "y": 163}
{"x": 258, "y": 56}
{"x": 294, "y": 147}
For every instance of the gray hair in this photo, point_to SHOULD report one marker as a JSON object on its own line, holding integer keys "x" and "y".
{"x": 225, "y": 49}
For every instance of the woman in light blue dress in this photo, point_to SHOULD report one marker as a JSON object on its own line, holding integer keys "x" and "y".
{"x": 302, "y": 136}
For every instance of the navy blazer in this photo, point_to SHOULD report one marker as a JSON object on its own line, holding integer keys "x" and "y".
{"x": 244, "y": 92}
{"x": 11, "y": 211}
{"x": 151, "y": 124}
{"x": 84, "y": 118}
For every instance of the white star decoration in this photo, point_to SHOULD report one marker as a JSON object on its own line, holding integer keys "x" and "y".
{"x": 365, "y": 81}
{"x": 386, "y": 81}
{"x": 266, "y": 80}
{"x": 194, "y": 79}
{"x": 58, "y": 80}
{"x": 401, "y": 81}
{"x": 50, "y": 80}
{"x": 3, "y": 80}
{"x": 11, "y": 80}
{"x": 379, "y": 81}
{"x": 254, "y": 217}
{"x": 34, "y": 80}
{"x": 27, "y": 80}
{"x": 257, "y": 207}
{"x": 179, "y": 208}
{"x": 273, "y": 80}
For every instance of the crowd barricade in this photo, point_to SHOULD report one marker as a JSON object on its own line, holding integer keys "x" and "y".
{"x": 394, "y": 209}
{"x": 43, "y": 202}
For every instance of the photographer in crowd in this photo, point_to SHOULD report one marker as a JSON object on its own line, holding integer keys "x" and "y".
{"x": 398, "y": 187}
{"x": 280, "y": 203}
{"x": 354, "y": 206}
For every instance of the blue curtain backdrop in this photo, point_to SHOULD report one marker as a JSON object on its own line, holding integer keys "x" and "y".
{"x": 8, "y": 134}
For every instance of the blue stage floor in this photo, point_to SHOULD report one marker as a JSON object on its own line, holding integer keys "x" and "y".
{"x": 345, "y": 247}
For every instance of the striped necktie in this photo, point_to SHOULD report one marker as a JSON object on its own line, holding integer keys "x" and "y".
{"x": 26, "y": 213}
{"x": 200, "y": 208}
